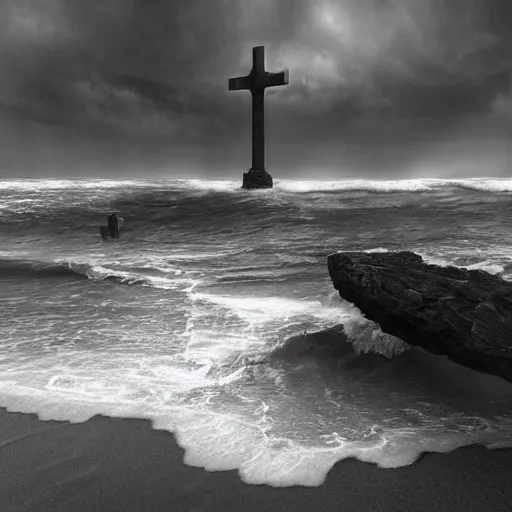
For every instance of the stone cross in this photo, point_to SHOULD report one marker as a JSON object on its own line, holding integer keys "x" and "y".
{"x": 256, "y": 82}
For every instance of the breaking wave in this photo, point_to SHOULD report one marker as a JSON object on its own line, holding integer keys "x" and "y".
{"x": 20, "y": 268}
{"x": 357, "y": 336}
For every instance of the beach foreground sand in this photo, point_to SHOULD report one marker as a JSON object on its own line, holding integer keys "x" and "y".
{"x": 109, "y": 464}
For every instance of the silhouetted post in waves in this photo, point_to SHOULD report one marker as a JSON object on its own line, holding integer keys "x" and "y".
{"x": 256, "y": 82}
{"x": 113, "y": 225}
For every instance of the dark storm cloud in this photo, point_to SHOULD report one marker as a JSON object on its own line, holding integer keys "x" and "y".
{"x": 371, "y": 79}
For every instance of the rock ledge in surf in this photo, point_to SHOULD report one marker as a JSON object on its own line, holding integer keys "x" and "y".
{"x": 463, "y": 314}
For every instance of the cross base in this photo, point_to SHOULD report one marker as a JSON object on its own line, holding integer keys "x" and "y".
{"x": 257, "y": 178}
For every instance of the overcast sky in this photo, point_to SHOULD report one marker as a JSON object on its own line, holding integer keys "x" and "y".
{"x": 378, "y": 88}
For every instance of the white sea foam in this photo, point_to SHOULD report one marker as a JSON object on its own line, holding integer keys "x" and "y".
{"x": 93, "y": 269}
{"x": 211, "y": 185}
{"x": 403, "y": 185}
{"x": 377, "y": 249}
{"x": 220, "y": 441}
{"x": 485, "y": 184}
{"x": 59, "y": 184}
{"x": 246, "y": 322}
{"x": 396, "y": 185}
{"x": 487, "y": 266}
{"x": 258, "y": 309}
{"x": 101, "y": 273}
{"x": 492, "y": 266}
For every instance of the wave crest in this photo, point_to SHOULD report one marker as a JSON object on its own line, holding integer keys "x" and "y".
{"x": 368, "y": 338}
{"x": 87, "y": 270}
{"x": 341, "y": 341}
{"x": 397, "y": 185}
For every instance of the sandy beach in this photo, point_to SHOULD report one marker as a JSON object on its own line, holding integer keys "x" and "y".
{"x": 109, "y": 464}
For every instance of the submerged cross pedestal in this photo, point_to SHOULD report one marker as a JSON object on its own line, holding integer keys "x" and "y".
{"x": 256, "y": 82}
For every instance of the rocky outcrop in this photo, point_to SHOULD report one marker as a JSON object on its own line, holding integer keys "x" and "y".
{"x": 463, "y": 314}
{"x": 257, "y": 179}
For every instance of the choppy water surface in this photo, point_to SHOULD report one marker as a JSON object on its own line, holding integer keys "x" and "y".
{"x": 185, "y": 319}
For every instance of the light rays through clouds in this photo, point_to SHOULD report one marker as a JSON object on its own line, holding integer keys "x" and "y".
{"x": 136, "y": 87}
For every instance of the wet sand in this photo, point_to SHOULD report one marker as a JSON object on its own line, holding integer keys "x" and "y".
{"x": 107, "y": 464}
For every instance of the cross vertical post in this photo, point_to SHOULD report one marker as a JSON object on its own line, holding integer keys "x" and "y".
{"x": 256, "y": 82}
{"x": 258, "y": 112}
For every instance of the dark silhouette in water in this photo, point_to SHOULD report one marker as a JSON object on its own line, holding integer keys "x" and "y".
{"x": 256, "y": 82}
{"x": 113, "y": 225}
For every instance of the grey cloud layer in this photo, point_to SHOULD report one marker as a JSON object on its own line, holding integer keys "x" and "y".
{"x": 391, "y": 76}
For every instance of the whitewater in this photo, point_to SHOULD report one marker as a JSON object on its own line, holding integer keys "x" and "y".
{"x": 214, "y": 317}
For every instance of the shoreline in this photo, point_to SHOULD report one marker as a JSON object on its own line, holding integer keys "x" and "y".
{"x": 109, "y": 464}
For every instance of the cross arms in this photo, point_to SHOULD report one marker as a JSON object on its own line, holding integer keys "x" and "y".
{"x": 273, "y": 79}
{"x": 241, "y": 83}
{"x": 252, "y": 82}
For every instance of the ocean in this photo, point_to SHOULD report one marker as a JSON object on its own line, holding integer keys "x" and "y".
{"x": 205, "y": 317}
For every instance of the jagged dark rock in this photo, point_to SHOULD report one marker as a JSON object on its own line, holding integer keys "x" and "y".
{"x": 257, "y": 179}
{"x": 463, "y": 314}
